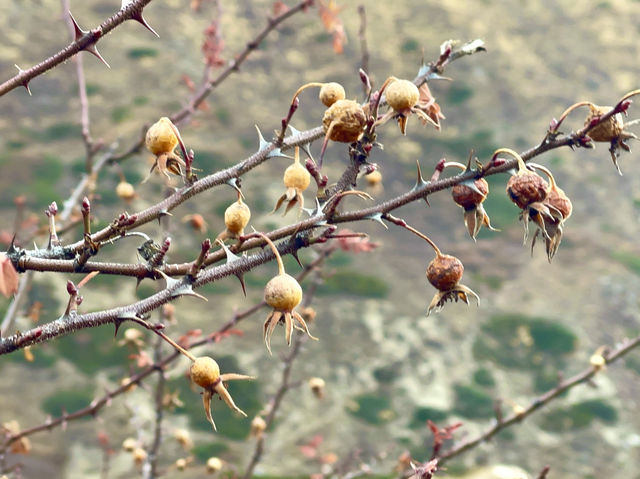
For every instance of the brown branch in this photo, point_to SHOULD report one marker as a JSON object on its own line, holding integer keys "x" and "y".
{"x": 210, "y": 84}
{"x": 540, "y": 401}
{"x": 130, "y": 12}
{"x": 362, "y": 34}
{"x": 137, "y": 378}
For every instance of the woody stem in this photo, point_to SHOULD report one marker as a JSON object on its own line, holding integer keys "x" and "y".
{"x": 403, "y": 223}
{"x": 509, "y": 151}
{"x": 303, "y": 87}
{"x": 569, "y": 110}
{"x": 275, "y": 252}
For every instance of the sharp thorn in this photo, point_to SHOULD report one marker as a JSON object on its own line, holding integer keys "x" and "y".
{"x": 140, "y": 19}
{"x": 240, "y": 277}
{"x": 78, "y": 32}
{"x": 94, "y": 51}
{"x": 378, "y": 218}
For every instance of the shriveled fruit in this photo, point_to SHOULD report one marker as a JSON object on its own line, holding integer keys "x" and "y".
{"x": 401, "y": 94}
{"x": 445, "y": 272}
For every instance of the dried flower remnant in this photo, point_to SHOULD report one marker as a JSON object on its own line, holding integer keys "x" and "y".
{"x": 470, "y": 195}
{"x": 444, "y": 272}
{"x": 205, "y": 372}
{"x": 404, "y": 98}
{"x": 296, "y": 179}
{"x": 161, "y": 139}
{"x": 236, "y": 218}
{"x": 550, "y": 215}
{"x": 283, "y": 293}
{"x": 344, "y": 122}
{"x": 528, "y": 191}
{"x": 610, "y": 130}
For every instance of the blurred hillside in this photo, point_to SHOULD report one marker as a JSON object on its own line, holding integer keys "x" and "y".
{"x": 388, "y": 368}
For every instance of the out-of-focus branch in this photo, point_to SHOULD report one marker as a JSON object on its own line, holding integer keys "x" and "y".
{"x": 210, "y": 84}
{"x": 284, "y": 387}
{"x": 131, "y": 12}
{"x": 540, "y": 401}
{"x": 362, "y": 34}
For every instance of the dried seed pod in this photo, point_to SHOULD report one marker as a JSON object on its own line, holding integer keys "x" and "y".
{"x": 258, "y": 426}
{"x": 608, "y": 130}
{"x": 317, "y": 386}
{"x": 283, "y": 293}
{"x": 374, "y": 178}
{"x": 214, "y": 464}
{"x": 296, "y": 179}
{"x": 161, "y": 139}
{"x": 526, "y": 188}
{"x": 236, "y": 218}
{"x": 331, "y": 92}
{"x": 183, "y": 438}
{"x": 181, "y": 464}
{"x": 344, "y": 121}
{"x": 139, "y": 455}
{"x": 126, "y": 191}
{"x": 444, "y": 272}
{"x": 129, "y": 444}
{"x": 469, "y": 197}
{"x": 401, "y": 95}
{"x": 560, "y": 201}
{"x": 205, "y": 372}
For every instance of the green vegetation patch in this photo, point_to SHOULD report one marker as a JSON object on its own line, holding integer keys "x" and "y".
{"x": 141, "y": 52}
{"x": 423, "y": 414}
{"x": 472, "y": 402}
{"x": 69, "y": 400}
{"x": 202, "y": 452}
{"x": 517, "y": 341}
{"x": 579, "y": 416}
{"x": 484, "y": 377}
{"x": 373, "y": 408}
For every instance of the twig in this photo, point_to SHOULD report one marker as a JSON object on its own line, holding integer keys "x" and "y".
{"x": 82, "y": 95}
{"x": 362, "y": 34}
{"x": 130, "y": 12}
{"x": 283, "y": 388}
{"x": 159, "y": 408}
{"x": 540, "y": 401}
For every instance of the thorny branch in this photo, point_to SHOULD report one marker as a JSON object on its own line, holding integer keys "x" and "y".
{"x": 158, "y": 365}
{"x": 133, "y": 11}
{"x": 540, "y": 401}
